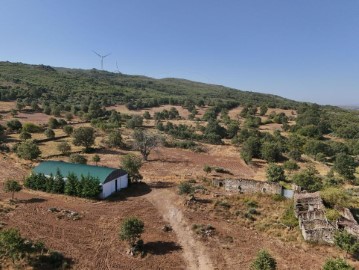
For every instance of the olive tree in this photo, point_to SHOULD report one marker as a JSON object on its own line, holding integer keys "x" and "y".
{"x": 132, "y": 164}
{"x": 144, "y": 142}
{"x": 12, "y": 186}
{"x": 84, "y": 136}
{"x": 28, "y": 150}
{"x": 131, "y": 230}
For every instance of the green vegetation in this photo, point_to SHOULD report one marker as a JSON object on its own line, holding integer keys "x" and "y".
{"x": 346, "y": 242}
{"x": 84, "y": 136}
{"x": 275, "y": 173}
{"x": 337, "y": 264}
{"x": 185, "y": 188}
{"x": 86, "y": 187}
{"x": 131, "y": 230}
{"x": 27, "y": 150}
{"x": 132, "y": 164}
{"x": 264, "y": 261}
{"x": 12, "y": 186}
{"x": 13, "y": 246}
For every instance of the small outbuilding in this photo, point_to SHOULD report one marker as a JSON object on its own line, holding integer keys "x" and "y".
{"x": 111, "y": 179}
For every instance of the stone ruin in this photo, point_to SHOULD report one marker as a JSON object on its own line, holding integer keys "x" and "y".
{"x": 310, "y": 211}
{"x": 348, "y": 222}
{"x": 248, "y": 186}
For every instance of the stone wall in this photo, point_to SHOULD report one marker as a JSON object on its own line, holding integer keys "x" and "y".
{"x": 310, "y": 211}
{"x": 248, "y": 186}
{"x": 348, "y": 222}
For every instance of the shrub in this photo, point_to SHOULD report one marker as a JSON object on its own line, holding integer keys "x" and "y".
{"x": 68, "y": 130}
{"x": 49, "y": 133}
{"x": 64, "y": 148}
{"x": 275, "y": 173}
{"x": 14, "y": 125}
{"x": 132, "y": 164}
{"x": 77, "y": 158}
{"x": 28, "y": 150}
{"x": 31, "y": 128}
{"x": 346, "y": 242}
{"x": 337, "y": 264}
{"x": 264, "y": 261}
{"x": 185, "y": 188}
{"x": 131, "y": 230}
{"x": 24, "y": 135}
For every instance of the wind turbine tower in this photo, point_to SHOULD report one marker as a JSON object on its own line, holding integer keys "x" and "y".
{"x": 102, "y": 57}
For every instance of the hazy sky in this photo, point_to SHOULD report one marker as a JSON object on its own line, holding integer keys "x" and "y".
{"x": 300, "y": 49}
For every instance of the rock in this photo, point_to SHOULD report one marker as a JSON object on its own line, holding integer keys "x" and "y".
{"x": 167, "y": 228}
{"x": 53, "y": 210}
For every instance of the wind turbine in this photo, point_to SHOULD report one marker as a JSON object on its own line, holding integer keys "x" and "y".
{"x": 102, "y": 57}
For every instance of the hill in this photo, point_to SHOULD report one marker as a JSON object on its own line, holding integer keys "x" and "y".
{"x": 19, "y": 80}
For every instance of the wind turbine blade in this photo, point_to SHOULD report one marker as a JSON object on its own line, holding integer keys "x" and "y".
{"x": 106, "y": 55}
{"x": 97, "y": 54}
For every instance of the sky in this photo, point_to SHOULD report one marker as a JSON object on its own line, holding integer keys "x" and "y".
{"x": 307, "y": 50}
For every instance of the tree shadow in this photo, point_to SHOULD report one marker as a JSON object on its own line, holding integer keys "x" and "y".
{"x": 161, "y": 248}
{"x": 160, "y": 184}
{"x": 32, "y": 200}
{"x": 133, "y": 190}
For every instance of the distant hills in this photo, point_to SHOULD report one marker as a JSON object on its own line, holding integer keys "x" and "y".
{"x": 18, "y": 80}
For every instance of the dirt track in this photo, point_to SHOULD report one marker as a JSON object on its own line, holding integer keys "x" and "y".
{"x": 194, "y": 252}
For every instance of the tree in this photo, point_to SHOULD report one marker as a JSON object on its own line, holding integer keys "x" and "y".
{"x": 275, "y": 173}
{"x": 69, "y": 116}
{"x": 53, "y": 123}
{"x": 263, "y": 110}
{"x": 90, "y": 187}
{"x": 71, "y": 185}
{"x": 308, "y": 179}
{"x": 77, "y": 158}
{"x": 28, "y": 150}
{"x": 49, "y": 133}
{"x": 264, "y": 261}
{"x": 146, "y": 115}
{"x": 132, "y": 164}
{"x": 135, "y": 122}
{"x": 68, "y": 130}
{"x": 114, "y": 139}
{"x": 12, "y": 186}
{"x": 271, "y": 151}
{"x": 207, "y": 169}
{"x": 250, "y": 148}
{"x": 64, "y": 148}
{"x": 14, "y": 125}
{"x": 12, "y": 245}
{"x": 84, "y": 136}
{"x": 290, "y": 165}
{"x": 144, "y": 142}
{"x": 345, "y": 165}
{"x": 337, "y": 264}
{"x": 96, "y": 159}
{"x": 346, "y": 242}
{"x": 24, "y": 135}
{"x": 131, "y": 230}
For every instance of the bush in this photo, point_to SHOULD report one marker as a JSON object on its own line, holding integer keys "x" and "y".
{"x": 337, "y": 264}
{"x": 275, "y": 173}
{"x": 264, "y": 261}
{"x": 132, "y": 164}
{"x": 64, "y": 148}
{"x": 28, "y": 150}
{"x": 14, "y": 125}
{"x": 68, "y": 130}
{"x": 25, "y": 135}
{"x": 185, "y": 188}
{"x": 131, "y": 230}
{"x": 31, "y": 128}
{"x": 77, "y": 158}
{"x": 335, "y": 197}
{"x": 49, "y": 133}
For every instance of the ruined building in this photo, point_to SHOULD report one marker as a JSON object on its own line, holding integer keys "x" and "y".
{"x": 310, "y": 211}
{"x": 248, "y": 186}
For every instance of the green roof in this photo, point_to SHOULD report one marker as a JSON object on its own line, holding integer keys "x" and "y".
{"x": 51, "y": 167}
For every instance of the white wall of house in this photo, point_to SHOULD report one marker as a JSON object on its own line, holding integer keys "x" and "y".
{"x": 110, "y": 187}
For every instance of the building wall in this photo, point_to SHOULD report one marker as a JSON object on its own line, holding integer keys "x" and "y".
{"x": 110, "y": 187}
{"x": 249, "y": 186}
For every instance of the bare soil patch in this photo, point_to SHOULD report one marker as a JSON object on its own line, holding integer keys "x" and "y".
{"x": 92, "y": 242}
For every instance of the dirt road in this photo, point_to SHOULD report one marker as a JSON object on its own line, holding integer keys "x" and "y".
{"x": 194, "y": 252}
